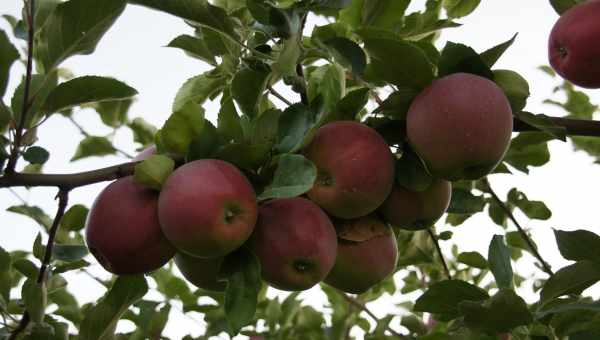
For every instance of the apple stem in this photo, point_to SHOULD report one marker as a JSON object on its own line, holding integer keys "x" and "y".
{"x": 439, "y": 250}
{"x": 522, "y": 232}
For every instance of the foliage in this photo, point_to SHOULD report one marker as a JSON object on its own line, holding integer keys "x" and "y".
{"x": 339, "y": 71}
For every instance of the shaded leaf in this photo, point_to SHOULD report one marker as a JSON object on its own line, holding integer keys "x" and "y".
{"x": 93, "y": 146}
{"x": 444, "y": 297}
{"x": 503, "y": 312}
{"x": 473, "y": 259}
{"x": 461, "y": 58}
{"x": 460, "y": 8}
{"x": 33, "y": 212}
{"x": 578, "y": 245}
{"x": 69, "y": 252}
{"x": 499, "y": 261}
{"x": 36, "y": 155}
{"x": 294, "y": 123}
{"x": 8, "y": 55}
{"x": 154, "y": 171}
{"x": 464, "y": 202}
{"x": 74, "y": 218}
{"x": 491, "y": 56}
{"x": 348, "y": 53}
{"x": 294, "y": 176}
{"x": 247, "y": 87}
{"x": 241, "y": 295}
{"x": 571, "y": 279}
{"x": 197, "y": 89}
{"x": 35, "y": 298}
{"x": 194, "y": 47}
{"x": 182, "y": 127}
{"x": 515, "y": 88}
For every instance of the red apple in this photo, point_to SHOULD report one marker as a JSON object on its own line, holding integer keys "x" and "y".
{"x": 295, "y": 243}
{"x": 416, "y": 210}
{"x": 573, "y": 49}
{"x": 207, "y": 208}
{"x": 201, "y": 272}
{"x": 367, "y": 253}
{"x": 123, "y": 232}
{"x": 355, "y": 169}
{"x": 460, "y": 126}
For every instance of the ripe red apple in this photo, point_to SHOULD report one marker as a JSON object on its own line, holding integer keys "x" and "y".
{"x": 573, "y": 49}
{"x": 460, "y": 126}
{"x": 295, "y": 243}
{"x": 416, "y": 210}
{"x": 355, "y": 169}
{"x": 123, "y": 232}
{"x": 367, "y": 253}
{"x": 203, "y": 273}
{"x": 207, "y": 208}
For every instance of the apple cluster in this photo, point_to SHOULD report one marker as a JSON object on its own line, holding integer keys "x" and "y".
{"x": 340, "y": 232}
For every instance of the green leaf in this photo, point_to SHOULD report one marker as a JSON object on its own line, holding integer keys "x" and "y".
{"x": 561, "y": 6}
{"x": 473, "y": 259}
{"x": 5, "y": 118}
{"x": 182, "y": 127}
{"x": 572, "y": 279}
{"x": 8, "y": 55}
{"x": 460, "y": 8}
{"x": 411, "y": 173}
{"x": 491, "y": 56}
{"x": 204, "y": 145}
{"x": 143, "y": 132}
{"x": 193, "y": 47}
{"x": 154, "y": 171}
{"x": 499, "y": 260}
{"x": 83, "y": 90}
{"x": 101, "y": 320}
{"x": 383, "y": 13}
{"x": 247, "y": 87}
{"x": 294, "y": 176}
{"x": 26, "y": 267}
{"x": 35, "y": 298}
{"x": 243, "y": 155}
{"x": 68, "y": 266}
{"x": 5, "y": 275}
{"x": 294, "y": 123}
{"x": 198, "y": 11}
{"x": 464, "y": 202}
{"x": 444, "y": 297}
{"x": 396, "y": 105}
{"x": 264, "y": 129}
{"x": 348, "y": 53}
{"x": 36, "y": 155}
{"x": 241, "y": 295}
{"x": 544, "y": 124}
{"x": 69, "y": 252}
{"x": 329, "y": 82}
{"x": 75, "y": 27}
{"x": 114, "y": 112}
{"x": 461, "y": 58}
{"x": 593, "y": 307}
{"x": 533, "y": 209}
{"x": 40, "y": 87}
{"x": 503, "y": 312}
{"x": 514, "y": 86}
{"x": 38, "y": 249}
{"x": 34, "y": 213}
{"x": 578, "y": 245}
{"x": 198, "y": 89}
{"x": 74, "y": 218}
{"x": 229, "y": 126}
{"x": 528, "y": 149}
{"x": 401, "y": 63}
{"x": 286, "y": 62}
{"x": 93, "y": 146}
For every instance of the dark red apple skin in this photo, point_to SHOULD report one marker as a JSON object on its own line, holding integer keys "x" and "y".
{"x": 295, "y": 243}
{"x": 361, "y": 265}
{"x": 123, "y": 232}
{"x": 355, "y": 169}
{"x": 201, "y": 272}
{"x": 460, "y": 126}
{"x": 207, "y": 208}
{"x": 417, "y": 210}
{"x": 573, "y": 47}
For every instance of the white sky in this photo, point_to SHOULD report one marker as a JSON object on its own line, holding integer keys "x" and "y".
{"x": 132, "y": 51}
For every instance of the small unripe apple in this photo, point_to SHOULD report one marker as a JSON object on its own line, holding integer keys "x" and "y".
{"x": 460, "y": 126}
{"x": 201, "y": 272}
{"x": 295, "y": 243}
{"x": 416, "y": 210}
{"x": 207, "y": 208}
{"x": 573, "y": 48}
{"x": 355, "y": 169}
{"x": 366, "y": 254}
{"x": 123, "y": 232}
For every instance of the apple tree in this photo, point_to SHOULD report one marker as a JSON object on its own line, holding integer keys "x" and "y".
{"x": 339, "y": 185}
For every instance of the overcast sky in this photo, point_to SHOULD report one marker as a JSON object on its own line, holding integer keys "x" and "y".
{"x": 133, "y": 51}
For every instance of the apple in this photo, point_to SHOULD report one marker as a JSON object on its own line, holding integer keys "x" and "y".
{"x": 367, "y": 253}
{"x": 355, "y": 169}
{"x": 123, "y": 232}
{"x": 203, "y": 273}
{"x": 207, "y": 208}
{"x": 295, "y": 243}
{"x": 416, "y": 210}
{"x": 460, "y": 126}
{"x": 573, "y": 47}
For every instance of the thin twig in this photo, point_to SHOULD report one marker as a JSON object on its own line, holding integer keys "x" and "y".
{"x": 86, "y": 134}
{"x": 14, "y": 155}
{"x": 16, "y": 194}
{"x": 279, "y": 96}
{"x": 63, "y": 200}
{"x": 439, "y": 250}
{"x": 67, "y": 181}
{"x": 522, "y": 231}
{"x": 364, "y": 308}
